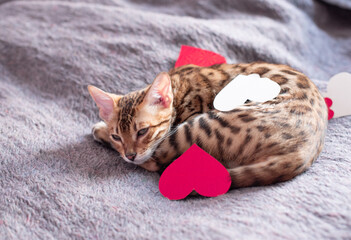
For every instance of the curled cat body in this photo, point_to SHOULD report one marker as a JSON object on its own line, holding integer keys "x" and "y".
{"x": 258, "y": 143}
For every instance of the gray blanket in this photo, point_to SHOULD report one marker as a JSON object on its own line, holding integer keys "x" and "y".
{"x": 57, "y": 183}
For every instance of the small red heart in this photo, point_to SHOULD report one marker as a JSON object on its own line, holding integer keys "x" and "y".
{"x": 329, "y": 103}
{"x": 198, "y": 56}
{"x": 194, "y": 170}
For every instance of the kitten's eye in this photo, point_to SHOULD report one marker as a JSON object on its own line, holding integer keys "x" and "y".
{"x": 142, "y": 131}
{"x": 116, "y": 137}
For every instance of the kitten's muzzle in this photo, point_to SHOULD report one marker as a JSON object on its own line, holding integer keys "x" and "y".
{"x": 131, "y": 156}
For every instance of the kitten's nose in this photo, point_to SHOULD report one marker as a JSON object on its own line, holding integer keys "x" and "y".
{"x": 131, "y": 156}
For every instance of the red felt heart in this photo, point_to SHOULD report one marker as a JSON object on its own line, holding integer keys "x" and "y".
{"x": 194, "y": 170}
{"x": 329, "y": 103}
{"x": 198, "y": 56}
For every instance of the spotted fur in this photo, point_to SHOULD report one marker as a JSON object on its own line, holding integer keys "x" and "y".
{"x": 259, "y": 143}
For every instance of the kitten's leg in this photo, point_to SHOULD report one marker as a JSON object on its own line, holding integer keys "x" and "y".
{"x": 182, "y": 138}
{"x": 100, "y": 133}
{"x": 150, "y": 165}
{"x": 222, "y": 135}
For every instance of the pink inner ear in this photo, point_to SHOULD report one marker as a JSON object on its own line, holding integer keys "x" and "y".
{"x": 104, "y": 101}
{"x": 106, "y": 109}
{"x": 160, "y": 92}
{"x": 164, "y": 99}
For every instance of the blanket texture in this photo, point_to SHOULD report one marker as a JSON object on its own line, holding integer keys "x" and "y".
{"x": 57, "y": 183}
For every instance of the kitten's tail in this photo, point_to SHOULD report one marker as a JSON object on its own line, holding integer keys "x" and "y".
{"x": 274, "y": 169}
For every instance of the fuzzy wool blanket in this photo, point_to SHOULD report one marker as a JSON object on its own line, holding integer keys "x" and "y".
{"x": 57, "y": 183}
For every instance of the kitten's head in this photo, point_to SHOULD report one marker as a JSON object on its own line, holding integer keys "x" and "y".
{"x": 137, "y": 121}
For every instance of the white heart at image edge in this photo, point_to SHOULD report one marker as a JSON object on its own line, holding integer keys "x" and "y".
{"x": 241, "y": 88}
{"x": 339, "y": 91}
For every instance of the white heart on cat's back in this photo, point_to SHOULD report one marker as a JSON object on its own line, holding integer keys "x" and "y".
{"x": 242, "y": 88}
{"x": 339, "y": 91}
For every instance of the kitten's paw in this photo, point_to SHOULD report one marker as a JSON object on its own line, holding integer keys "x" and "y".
{"x": 100, "y": 133}
{"x": 150, "y": 165}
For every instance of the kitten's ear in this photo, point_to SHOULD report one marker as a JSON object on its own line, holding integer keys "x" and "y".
{"x": 104, "y": 101}
{"x": 160, "y": 92}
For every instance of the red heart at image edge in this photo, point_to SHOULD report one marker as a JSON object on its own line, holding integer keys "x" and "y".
{"x": 198, "y": 56}
{"x": 194, "y": 170}
{"x": 329, "y": 103}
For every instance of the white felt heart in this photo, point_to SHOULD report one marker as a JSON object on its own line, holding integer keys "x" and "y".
{"x": 241, "y": 88}
{"x": 339, "y": 91}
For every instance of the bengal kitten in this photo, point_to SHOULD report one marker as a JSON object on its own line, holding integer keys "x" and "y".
{"x": 258, "y": 143}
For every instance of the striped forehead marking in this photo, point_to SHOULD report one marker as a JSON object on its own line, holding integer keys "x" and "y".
{"x": 127, "y": 105}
